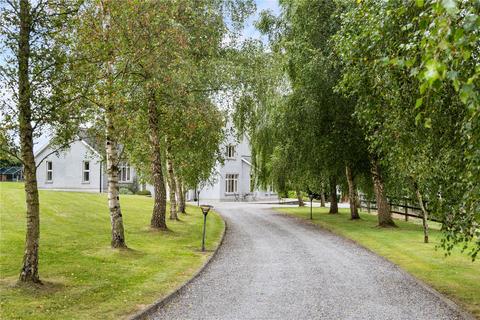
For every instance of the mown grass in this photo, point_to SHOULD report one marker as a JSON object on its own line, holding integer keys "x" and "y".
{"x": 84, "y": 278}
{"x": 455, "y": 276}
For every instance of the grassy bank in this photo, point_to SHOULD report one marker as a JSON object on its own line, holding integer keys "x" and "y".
{"x": 84, "y": 278}
{"x": 455, "y": 276}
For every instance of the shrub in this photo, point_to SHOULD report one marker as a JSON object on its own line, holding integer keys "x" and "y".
{"x": 143, "y": 193}
{"x": 124, "y": 190}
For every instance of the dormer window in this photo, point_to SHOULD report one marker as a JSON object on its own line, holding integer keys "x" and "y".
{"x": 230, "y": 152}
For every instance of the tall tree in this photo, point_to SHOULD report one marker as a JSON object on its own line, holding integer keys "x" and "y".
{"x": 34, "y": 74}
{"x": 99, "y": 69}
{"x": 183, "y": 63}
{"x": 415, "y": 102}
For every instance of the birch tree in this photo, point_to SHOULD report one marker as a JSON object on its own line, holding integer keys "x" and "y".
{"x": 174, "y": 49}
{"x": 34, "y": 77}
{"x": 99, "y": 68}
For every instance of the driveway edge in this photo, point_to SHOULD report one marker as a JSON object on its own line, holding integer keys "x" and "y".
{"x": 449, "y": 302}
{"x": 152, "y": 308}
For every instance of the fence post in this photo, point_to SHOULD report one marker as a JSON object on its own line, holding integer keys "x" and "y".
{"x": 406, "y": 209}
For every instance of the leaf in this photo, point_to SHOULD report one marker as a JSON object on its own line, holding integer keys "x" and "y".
{"x": 466, "y": 92}
{"x": 418, "y": 118}
{"x": 420, "y": 3}
{"x": 423, "y": 87}
{"x": 428, "y": 123}
{"x": 432, "y": 74}
{"x": 452, "y": 75}
{"x": 450, "y": 6}
{"x": 418, "y": 103}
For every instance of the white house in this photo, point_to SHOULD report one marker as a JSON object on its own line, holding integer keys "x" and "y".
{"x": 79, "y": 168}
{"x": 234, "y": 178}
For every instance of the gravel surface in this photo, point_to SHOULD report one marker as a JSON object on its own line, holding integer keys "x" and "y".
{"x": 276, "y": 267}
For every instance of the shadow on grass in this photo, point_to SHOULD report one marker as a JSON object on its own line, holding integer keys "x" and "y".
{"x": 46, "y": 288}
{"x": 130, "y": 252}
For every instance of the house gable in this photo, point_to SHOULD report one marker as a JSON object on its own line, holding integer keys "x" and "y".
{"x": 75, "y": 168}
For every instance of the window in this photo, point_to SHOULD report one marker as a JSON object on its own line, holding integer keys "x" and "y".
{"x": 124, "y": 172}
{"x": 86, "y": 171}
{"x": 49, "y": 171}
{"x": 230, "y": 152}
{"x": 231, "y": 183}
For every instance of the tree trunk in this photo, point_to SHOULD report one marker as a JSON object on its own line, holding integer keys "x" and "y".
{"x": 322, "y": 197}
{"x": 352, "y": 194}
{"x": 300, "y": 198}
{"x": 160, "y": 199}
{"x": 111, "y": 148}
{"x": 333, "y": 195}
{"x": 424, "y": 212}
{"x": 29, "y": 272}
{"x": 383, "y": 208}
{"x": 172, "y": 188}
{"x": 180, "y": 194}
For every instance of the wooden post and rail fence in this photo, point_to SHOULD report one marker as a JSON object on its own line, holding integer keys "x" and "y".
{"x": 403, "y": 206}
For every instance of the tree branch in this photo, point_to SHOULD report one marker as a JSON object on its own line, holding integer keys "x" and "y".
{"x": 56, "y": 150}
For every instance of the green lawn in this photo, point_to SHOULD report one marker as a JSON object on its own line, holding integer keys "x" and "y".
{"x": 84, "y": 278}
{"x": 456, "y": 276}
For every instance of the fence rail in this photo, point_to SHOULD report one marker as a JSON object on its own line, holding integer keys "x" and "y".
{"x": 397, "y": 206}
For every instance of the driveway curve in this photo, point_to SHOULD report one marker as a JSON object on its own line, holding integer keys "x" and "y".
{"x": 275, "y": 267}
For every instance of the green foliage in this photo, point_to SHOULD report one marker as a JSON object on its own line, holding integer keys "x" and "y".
{"x": 408, "y": 65}
{"x": 347, "y": 81}
{"x": 125, "y": 190}
{"x": 301, "y": 130}
{"x": 54, "y": 107}
{"x": 143, "y": 193}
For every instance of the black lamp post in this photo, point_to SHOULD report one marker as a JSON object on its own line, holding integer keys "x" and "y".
{"x": 205, "y": 209}
{"x": 198, "y": 198}
{"x": 311, "y": 196}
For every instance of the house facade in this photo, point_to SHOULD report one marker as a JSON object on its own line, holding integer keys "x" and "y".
{"x": 78, "y": 168}
{"x": 234, "y": 180}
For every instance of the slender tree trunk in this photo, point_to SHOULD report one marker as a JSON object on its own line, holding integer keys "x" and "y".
{"x": 180, "y": 194}
{"x": 29, "y": 272}
{"x": 160, "y": 202}
{"x": 333, "y": 195}
{"x": 424, "y": 212}
{"x": 352, "y": 194}
{"x": 300, "y": 198}
{"x": 322, "y": 197}
{"x": 383, "y": 208}
{"x": 111, "y": 148}
{"x": 172, "y": 188}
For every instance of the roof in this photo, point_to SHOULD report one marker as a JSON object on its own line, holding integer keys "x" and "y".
{"x": 10, "y": 170}
{"x": 89, "y": 142}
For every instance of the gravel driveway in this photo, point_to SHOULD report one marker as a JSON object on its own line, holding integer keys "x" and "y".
{"x": 276, "y": 267}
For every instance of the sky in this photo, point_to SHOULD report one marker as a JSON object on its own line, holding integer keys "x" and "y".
{"x": 272, "y": 5}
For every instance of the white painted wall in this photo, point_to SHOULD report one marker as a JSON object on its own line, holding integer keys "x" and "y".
{"x": 232, "y": 166}
{"x": 67, "y": 168}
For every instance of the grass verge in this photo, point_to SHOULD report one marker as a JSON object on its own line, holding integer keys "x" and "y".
{"x": 84, "y": 278}
{"x": 456, "y": 276}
